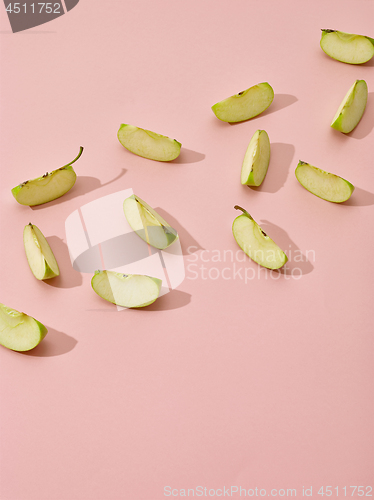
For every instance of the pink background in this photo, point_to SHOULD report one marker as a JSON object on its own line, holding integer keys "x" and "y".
{"x": 264, "y": 384}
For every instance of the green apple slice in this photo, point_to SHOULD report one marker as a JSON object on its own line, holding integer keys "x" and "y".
{"x": 148, "y": 144}
{"x": 346, "y": 47}
{"x": 256, "y": 159}
{"x": 352, "y": 108}
{"x": 126, "y": 290}
{"x": 245, "y": 105}
{"x": 48, "y": 187}
{"x": 18, "y": 331}
{"x": 329, "y": 187}
{"x": 255, "y": 243}
{"x": 39, "y": 255}
{"x": 148, "y": 224}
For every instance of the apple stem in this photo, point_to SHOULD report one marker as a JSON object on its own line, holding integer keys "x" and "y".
{"x": 244, "y": 211}
{"x": 75, "y": 159}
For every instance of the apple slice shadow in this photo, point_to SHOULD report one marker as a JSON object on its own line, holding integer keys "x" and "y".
{"x": 369, "y": 63}
{"x": 366, "y": 124}
{"x": 359, "y": 198}
{"x": 174, "y": 299}
{"x": 188, "y": 243}
{"x": 188, "y": 156}
{"x": 69, "y": 277}
{"x": 281, "y": 156}
{"x": 83, "y": 185}
{"x": 55, "y": 343}
{"x": 298, "y": 264}
{"x": 280, "y": 101}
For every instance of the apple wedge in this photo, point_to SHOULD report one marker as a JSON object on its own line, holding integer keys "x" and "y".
{"x": 39, "y": 255}
{"x": 255, "y": 243}
{"x": 126, "y": 290}
{"x": 148, "y": 144}
{"x": 346, "y": 47}
{"x": 18, "y": 331}
{"x": 329, "y": 187}
{"x": 352, "y": 108}
{"x": 148, "y": 224}
{"x": 256, "y": 159}
{"x": 245, "y": 105}
{"x": 48, "y": 187}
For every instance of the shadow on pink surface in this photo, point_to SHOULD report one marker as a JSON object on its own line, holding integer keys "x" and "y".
{"x": 175, "y": 299}
{"x": 298, "y": 263}
{"x": 366, "y": 124}
{"x": 54, "y": 344}
{"x": 359, "y": 198}
{"x": 69, "y": 277}
{"x": 83, "y": 185}
{"x": 186, "y": 239}
{"x": 185, "y": 157}
{"x": 281, "y": 157}
{"x": 280, "y": 101}
{"x": 188, "y": 156}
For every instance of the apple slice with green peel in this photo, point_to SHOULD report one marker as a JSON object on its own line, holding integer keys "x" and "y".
{"x": 256, "y": 159}
{"x": 346, "y": 47}
{"x": 18, "y": 331}
{"x": 255, "y": 243}
{"x": 148, "y": 224}
{"x": 245, "y": 105}
{"x": 329, "y": 187}
{"x": 148, "y": 144}
{"x": 126, "y": 290}
{"x": 39, "y": 255}
{"x": 352, "y": 108}
{"x": 48, "y": 187}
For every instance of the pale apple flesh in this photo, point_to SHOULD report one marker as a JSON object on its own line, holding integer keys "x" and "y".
{"x": 256, "y": 159}
{"x": 245, "y": 105}
{"x": 148, "y": 144}
{"x": 47, "y": 188}
{"x": 132, "y": 290}
{"x": 39, "y": 255}
{"x": 347, "y": 47}
{"x": 329, "y": 187}
{"x": 255, "y": 243}
{"x": 352, "y": 108}
{"x": 18, "y": 331}
{"x": 148, "y": 224}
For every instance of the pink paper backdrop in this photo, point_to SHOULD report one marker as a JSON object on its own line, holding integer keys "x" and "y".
{"x": 266, "y": 383}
